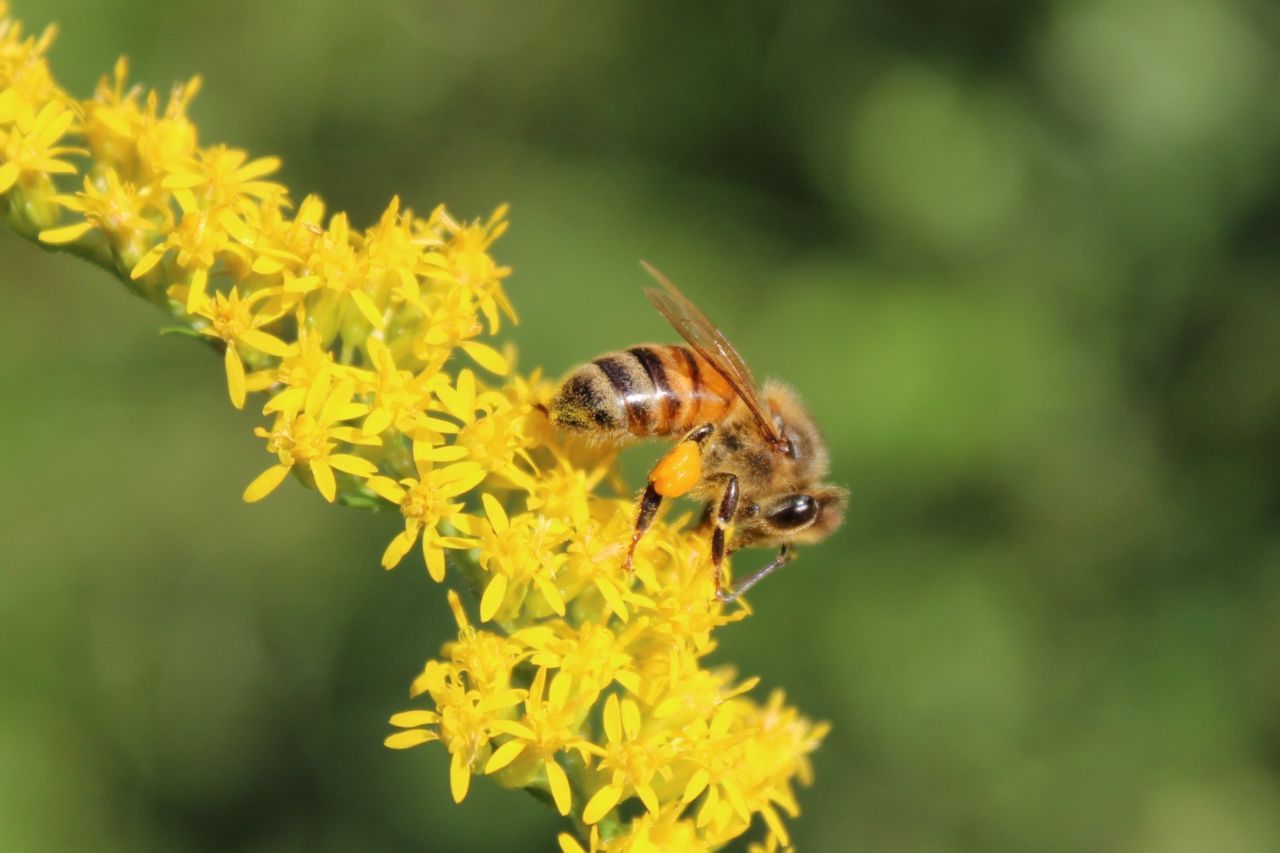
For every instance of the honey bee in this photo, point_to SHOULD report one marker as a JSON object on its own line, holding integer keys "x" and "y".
{"x": 752, "y": 453}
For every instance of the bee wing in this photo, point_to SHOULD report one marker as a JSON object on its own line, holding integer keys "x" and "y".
{"x": 711, "y": 344}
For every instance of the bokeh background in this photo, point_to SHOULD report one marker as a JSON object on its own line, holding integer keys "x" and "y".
{"x": 1021, "y": 258}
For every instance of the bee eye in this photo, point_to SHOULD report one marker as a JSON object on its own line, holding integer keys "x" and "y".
{"x": 795, "y": 511}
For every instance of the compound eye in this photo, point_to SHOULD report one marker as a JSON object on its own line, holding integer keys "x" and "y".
{"x": 796, "y": 511}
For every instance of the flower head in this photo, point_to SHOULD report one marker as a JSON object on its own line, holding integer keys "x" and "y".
{"x": 308, "y": 437}
{"x": 428, "y": 502}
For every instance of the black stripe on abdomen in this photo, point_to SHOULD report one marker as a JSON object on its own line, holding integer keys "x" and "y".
{"x": 661, "y": 385}
{"x": 627, "y": 382}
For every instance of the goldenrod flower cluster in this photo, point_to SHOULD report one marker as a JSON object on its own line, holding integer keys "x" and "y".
{"x": 575, "y": 679}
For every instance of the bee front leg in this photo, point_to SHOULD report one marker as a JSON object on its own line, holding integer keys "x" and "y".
{"x": 785, "y": 555}
{"x": 674, "y": 475}
{"x": 724, "y": 515}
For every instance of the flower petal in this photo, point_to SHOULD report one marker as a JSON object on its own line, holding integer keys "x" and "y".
{"x": 258, "y": 168}
{"x": 459, "y": 777}
{"x": 630, "y": 718}
{"x": 434, "y": 559}
{"x": 413, "y": 719}
{"x": 288, "y": 400}
{"x": 410, "y": 738}
{"x": 195, "y": 290}
{"x": 348, "y": 464}
{"x": 775, "y": 824}
{"x": 339, "y": 398}
{"x": 377, "y": 421}
{"x": 612, "y": 719}
{"x": 397, "y": 548}
{"x": 367, "y": 308}
{"x": 511, "y": 727}
{"x": 269, "y": 344}
{"x": 493, "y": 597}
{"x": 65, "y": 234}
{"x": 612, "y": 596}
{"x": 569, "y": 844}
{"x": 144, "y": 265}
{"x": 235, "y": 376}
{"x": 265, "y": 483}
{"x": 504, "y": 755}
{"x": 440, "y": 453}
{"x": 497, "y": 515}
{"x": 385, "y": 487}
{"x": 601, "y": 804}
{"x": 559, "y": 784}
{"x": 486, "y": 356}
{"x": 649, "y": 797}
{"x": 323, "y": 474}
{"x": 697, "y": 784}
{"x": 462, "y": 484}
{"x": 8, "y": 175}
{"x": 267, "y": 266}
{"x": 550, "y": 592}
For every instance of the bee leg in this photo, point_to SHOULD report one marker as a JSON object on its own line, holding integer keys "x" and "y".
{"x": 649, "y": 504}
{"x": 785, "y": 555}
{"x": 674, "y": 475}
{"x": 728, "y": 506}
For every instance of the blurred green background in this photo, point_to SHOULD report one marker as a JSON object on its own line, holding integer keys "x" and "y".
{"x": 1021, "y": 258}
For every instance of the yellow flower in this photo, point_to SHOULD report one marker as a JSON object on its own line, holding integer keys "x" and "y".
{"x": 467, "y": 253}
{"x": 488, "y": 659}
{"x": 223, "y": 178}
{"x": 550, "y": 725}
{"x": 30, "y": 143}
{"x": 200, "y": 236}
{"x": 632, "y": 759}
{"x": 298, "y": 371}
{"x": 113, "y": 120}
{"x": 309, "y": 437}
{"x": 472, "y": 700}
{"x": 108, "y": 205}
{"x": 165, "y": 137}
{"x": 427, "y": 502}
{"x": 519, "y": 554}
{"x": 339, "y": 268}
{"x": 281, "y": 242}
{"x": 234, "y": 321}
{"x": 23, "y": 71}
{"x": 400, "y": 398}
{"x": 398, "y": 256}
{"x": 591, "y": 653}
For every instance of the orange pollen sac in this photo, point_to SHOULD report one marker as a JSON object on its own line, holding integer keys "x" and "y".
{"x": 678, "y": 471}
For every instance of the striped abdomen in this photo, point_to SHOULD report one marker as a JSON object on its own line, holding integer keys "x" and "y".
{"x": 654, "y": 389}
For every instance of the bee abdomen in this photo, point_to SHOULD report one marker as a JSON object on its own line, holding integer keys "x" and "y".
{"x": 646, "y": 390}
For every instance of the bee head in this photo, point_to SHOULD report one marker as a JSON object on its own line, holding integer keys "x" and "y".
{"x": 800, "y": 518}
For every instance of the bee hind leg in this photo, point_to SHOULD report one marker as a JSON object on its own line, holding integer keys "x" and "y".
{"x": 675, "y": 474}
{"x": 649, "y": 503}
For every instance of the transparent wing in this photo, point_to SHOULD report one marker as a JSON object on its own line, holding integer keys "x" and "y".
{"x": 711, "y": 344}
